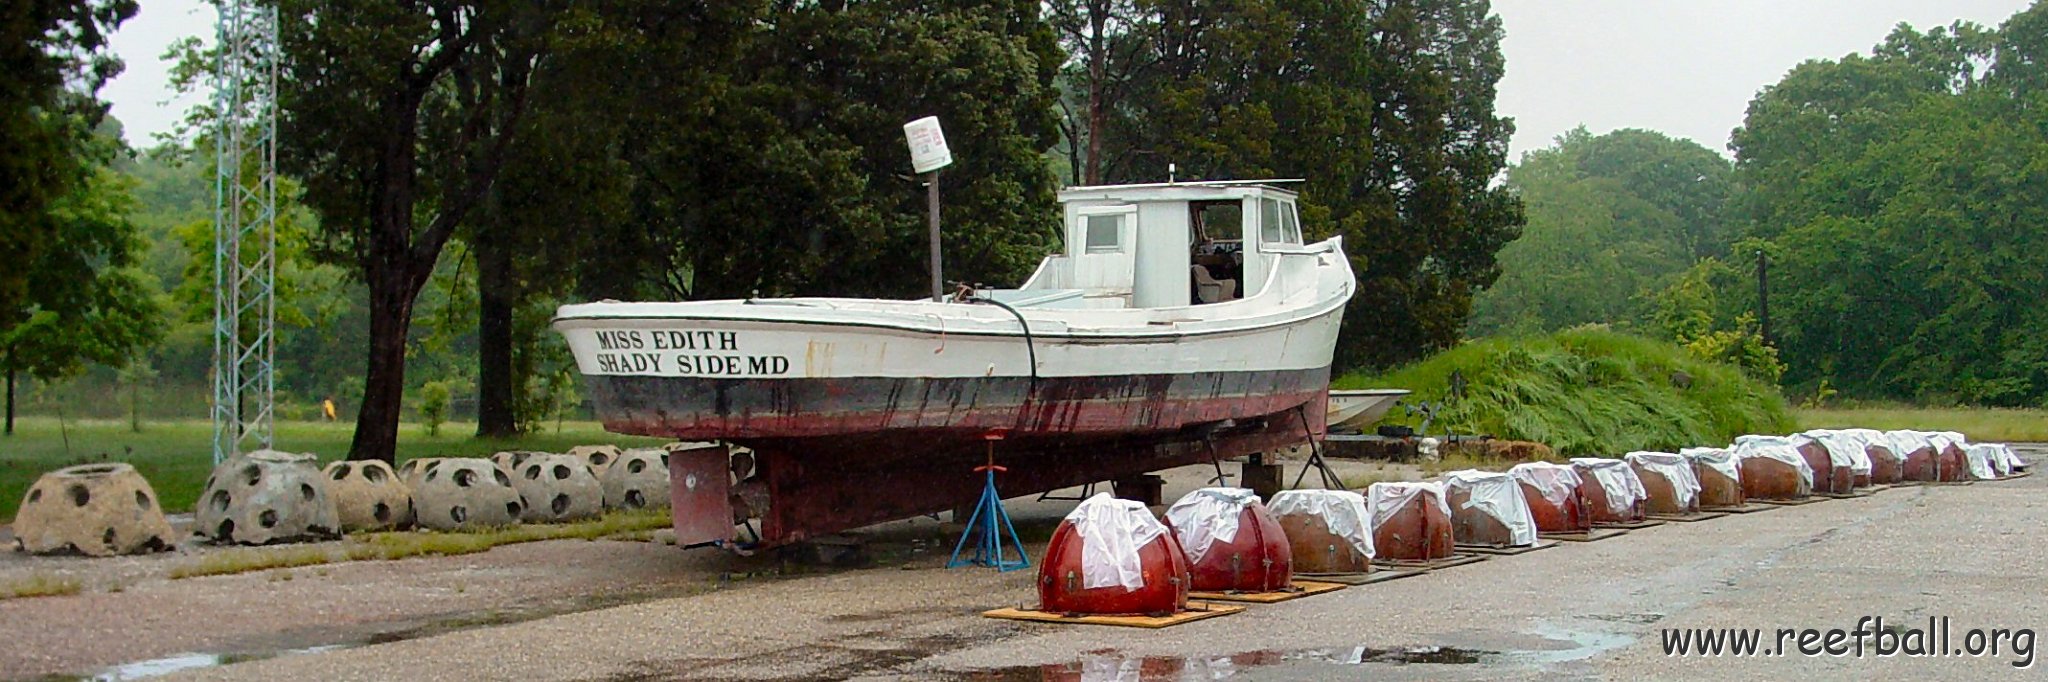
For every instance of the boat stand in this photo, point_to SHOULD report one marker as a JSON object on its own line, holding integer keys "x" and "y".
{"x": 992, "y": 522}
{"x": 1315, "y": 457}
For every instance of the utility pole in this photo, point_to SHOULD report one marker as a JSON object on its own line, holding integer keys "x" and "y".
{"x": 938, "y": 265}
{"x": 244, "y": 228}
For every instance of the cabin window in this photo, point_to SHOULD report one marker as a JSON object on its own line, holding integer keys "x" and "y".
{"x": 1270, "y": 229}
{"x": 1290, "y": 225}
{"x": 1104, "y": 233}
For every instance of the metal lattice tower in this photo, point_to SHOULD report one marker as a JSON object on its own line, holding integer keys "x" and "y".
{"x": 244, "y": 228}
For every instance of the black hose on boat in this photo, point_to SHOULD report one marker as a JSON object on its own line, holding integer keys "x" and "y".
{"x": 1030, "y": 347}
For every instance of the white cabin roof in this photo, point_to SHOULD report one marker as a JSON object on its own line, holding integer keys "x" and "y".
{"x": 1200, "y": 190}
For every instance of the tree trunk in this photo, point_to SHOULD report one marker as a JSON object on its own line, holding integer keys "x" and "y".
{"x": 10, "y": 399}
{"x": 495, "y": 383}
{"x": 391, "y": 301}
{"x": 1098, "y": 114}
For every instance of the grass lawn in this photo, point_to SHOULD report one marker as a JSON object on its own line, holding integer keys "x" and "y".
{"x": 177, "y": 456}
{"x": 1979, "y": 424}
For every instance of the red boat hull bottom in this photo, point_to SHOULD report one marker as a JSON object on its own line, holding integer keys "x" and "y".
{"x": 813, "y": 477}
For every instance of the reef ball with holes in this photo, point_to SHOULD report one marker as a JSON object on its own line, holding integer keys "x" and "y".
{"x": 92, "y": 509}
{"x": 600, "y": 457}
{"x": 415, "y": 469}
{"x": 638, "y": 480}
{"x": 510, "y": 460}
{"x": 557, "y": 488}
{"x": 458, "y": 493}
{"x": 264, "y": 497}
{"x": 368, "y": 495}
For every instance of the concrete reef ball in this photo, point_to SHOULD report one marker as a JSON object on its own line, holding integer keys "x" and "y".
{"x": 511, "y": 459}
{"x": 413, "y": 470}
{"x": 558, "y": 488}
{"x": 94, "y": 510}
{"x": 599, "y": 457}
{"x": 457, "y": 494}
{"x": 267, "y": 496}
{"x": 638, "y": 480}
{"x": 369, "y": 495}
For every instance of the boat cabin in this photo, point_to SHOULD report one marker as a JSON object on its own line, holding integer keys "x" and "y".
{"x": 1168, "y": 245}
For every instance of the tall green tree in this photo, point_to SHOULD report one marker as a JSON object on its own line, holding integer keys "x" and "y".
{"x": 766, "y": 150}
{"x": 398, "y": 118}
{"x": 1386, "y": 108}
{"x": 1613, "y": 219}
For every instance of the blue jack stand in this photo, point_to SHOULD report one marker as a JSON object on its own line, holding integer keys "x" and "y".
{"x": 992, "y": 522}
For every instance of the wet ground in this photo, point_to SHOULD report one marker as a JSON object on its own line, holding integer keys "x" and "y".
{"x": 578, "y": 610}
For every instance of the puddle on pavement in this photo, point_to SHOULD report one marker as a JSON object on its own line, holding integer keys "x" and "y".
{"x": 1573, "y": 645}
{"x": 1110, "y": 666}
{"x": 181, "y": 662}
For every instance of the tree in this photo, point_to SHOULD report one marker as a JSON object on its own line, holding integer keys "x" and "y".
{"x": 85, "y": 299}
{"x": 51, "y": 70}
{"x": 1387, "y": 110}
{"x": 398, "y": 117}
{"x": 766, "y": 156}
{"x": 1613, "y": 219}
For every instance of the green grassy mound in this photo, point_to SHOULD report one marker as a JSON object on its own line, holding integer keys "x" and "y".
{"x": 1588, "y": 391}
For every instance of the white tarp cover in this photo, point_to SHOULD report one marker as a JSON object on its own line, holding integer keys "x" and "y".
{"x": 2011, "y": 459}
{"x": 1869, "y": 437}
{"x": 1617, "y": 479}
{"x": 1718, "y": 459}
{"x": 1554, "y": 481}
{"x": 1386, "y": 499}
{"x": 1905, "y": 442}
{"x": 1844, "y": 450}
{"x": 1499, "y": 496}
{"x": 1779, "y": 448}
{"x": 1206, "y": 516}
{"x": 1943, "y": 439}
{"x": 1674, "y": 468}
{"x": 1112, "y": 531}
{"x": 1984, "y": 460}
{"x": 1342, "y": 511}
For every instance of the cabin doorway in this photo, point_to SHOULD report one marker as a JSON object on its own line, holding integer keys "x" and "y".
{"x": 1216, "y": 252}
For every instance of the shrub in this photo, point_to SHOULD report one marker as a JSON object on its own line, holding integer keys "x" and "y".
{"x": 1589, "y": 391}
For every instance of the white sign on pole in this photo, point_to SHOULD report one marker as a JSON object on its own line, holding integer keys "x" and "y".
{"x": 928, "y": 150}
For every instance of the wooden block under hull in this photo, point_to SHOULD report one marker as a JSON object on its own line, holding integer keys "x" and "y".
{"x": 1295, "y": 590}
{"x": 1195, "y": 611}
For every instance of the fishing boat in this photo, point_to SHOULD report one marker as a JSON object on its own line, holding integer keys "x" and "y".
{"x": 1182, "y": 322}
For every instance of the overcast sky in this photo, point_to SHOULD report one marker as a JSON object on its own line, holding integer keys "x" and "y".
{"x": 1687, "y": 68}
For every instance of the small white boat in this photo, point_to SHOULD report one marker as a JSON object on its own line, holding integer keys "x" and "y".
{"x": 1360, "y": 407}
{"x": 1184, "y": 321}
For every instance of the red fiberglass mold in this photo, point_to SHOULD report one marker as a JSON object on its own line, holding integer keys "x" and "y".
{"x": 1719, "y": 474}
{"x": 1410, "y": 521}
{"x": 1885, "y": 466}
{"x": 1140, "y": 568}
{"x": 1828, "y": 477}
{"x": 1553, "y": 494}
{"x": 1955, "y": 461}
{"x": 1918, "y": 457}
{"x": 1610, "y": 489}
{"x": 1233, "y": 544}
{"x": 1773, "y": 468}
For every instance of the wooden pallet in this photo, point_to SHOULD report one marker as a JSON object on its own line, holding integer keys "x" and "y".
{"x": 1810, "y": 499}
{"x": 2017, "y": 474}
{"x": 1376, "y": 574}
{"x": 1585, "y": 535}
{"x": 1744, "y": 508}
{"x": 1947, "y": 482}
{"x": 1296, "y": 590}
{"x": 1508, "y": 551}
{"x": 1630, "y": 525}
{"x": 1435, "y": 564}
{"x": 1196, "y": 611}
{"x": 1689, "y": 518}
{"x": 1852, "y": 494}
